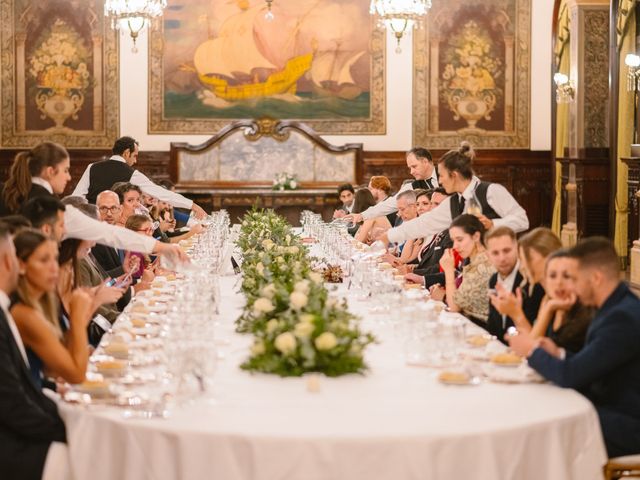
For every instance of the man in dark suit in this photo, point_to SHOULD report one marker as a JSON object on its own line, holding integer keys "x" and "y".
{"x": 29, "y": 421}
{"x": 502, "y": 249}
{"x": 607, "y": 369}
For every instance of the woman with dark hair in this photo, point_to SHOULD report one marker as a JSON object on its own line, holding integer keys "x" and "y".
{"x": 490, "y": 202}
{"x": 38, "y": 172}
{"x": 369, "y": 229}
{"x": 466, "y": 293}
{"x": 561, "y": 316}
{"x": 36, "y": 312}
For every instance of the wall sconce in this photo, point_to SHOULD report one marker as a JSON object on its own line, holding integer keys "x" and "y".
{"x": 564, "y": 88}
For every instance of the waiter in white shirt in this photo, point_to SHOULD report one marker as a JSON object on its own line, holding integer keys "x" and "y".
{"x": 421, "y": 167}
{"x": 101, "y": 176}
{"x": 492, "y": 203}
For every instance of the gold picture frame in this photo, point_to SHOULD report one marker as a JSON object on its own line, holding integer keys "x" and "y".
{"x": 471, "y": 77}
{"x": 60, "y": 75}
{"x": 167, "y": 76}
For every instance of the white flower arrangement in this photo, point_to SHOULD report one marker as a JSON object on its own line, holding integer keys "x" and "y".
{"x": 298, "y": 328}
{"x": 285, "y": 181}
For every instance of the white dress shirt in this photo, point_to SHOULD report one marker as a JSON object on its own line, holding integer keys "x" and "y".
{"x": 81, "y": 226}
{"x": 507, "y": 283}
{"x": 511, "y": 214}
{"x": 390, "y": 205}
{"x": 5, "y": 303}
{"x": 141, "y": 180}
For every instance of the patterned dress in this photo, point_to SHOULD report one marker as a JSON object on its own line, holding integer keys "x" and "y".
{"x": 471, "y": 296}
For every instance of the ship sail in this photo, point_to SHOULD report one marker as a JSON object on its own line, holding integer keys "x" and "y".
{"x": 234, "y": 50}
{"x": 334, "y": 66}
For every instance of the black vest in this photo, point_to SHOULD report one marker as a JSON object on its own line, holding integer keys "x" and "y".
{"x": 104, "y": 174}
{"x": 481, "y": 195}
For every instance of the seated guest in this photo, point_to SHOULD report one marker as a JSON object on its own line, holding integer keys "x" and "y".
{"x": 380, "y": 188}
{"x": 162, "y": 215}
{"x": 562, "y": 317}
{"x": 129, "y": 196}
{"x": 36, "y": 312}
{"x": 502, "y": 249}
{"x": 29, "y": 420}
{"x": 146, "y": 270}
{"x": 407, "y": 210}
{"x": 607, "y": 369}
{"x": 15, "y": 223}
{"x": 468, "y": 292}
{"x": 180, "y": 214}
{"x": 47, "y": 215}
{"x": 423, "y": 201}
{"x": 365, "y": 231}
{"x": 426, "y": 270}
{"x": 346, "y": 193}
{"x": 457, "y": 177}
{"x": 73, "y": 275}
{"x": 534, "y": 248}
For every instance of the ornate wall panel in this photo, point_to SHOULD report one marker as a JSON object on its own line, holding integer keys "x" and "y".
{"x": 472, "y": 74}
{"x": 59, "y": 74}
{"x": 596, "y": 73}
{"x": 320, "y": 61}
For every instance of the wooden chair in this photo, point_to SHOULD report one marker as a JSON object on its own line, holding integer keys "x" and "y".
{"x": 622, "y": 467}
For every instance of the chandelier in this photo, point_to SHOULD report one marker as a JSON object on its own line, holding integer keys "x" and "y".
{"x": 133, "y": 15}
{"x": 400, "y": 15}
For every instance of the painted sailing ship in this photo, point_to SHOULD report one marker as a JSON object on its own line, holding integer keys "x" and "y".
{"x": 223, "y": 61}
{"x": 331, "y": 73}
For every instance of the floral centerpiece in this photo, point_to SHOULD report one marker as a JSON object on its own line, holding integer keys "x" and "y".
{"x": 285, "y": 181}
{"x": 297, "y": 327}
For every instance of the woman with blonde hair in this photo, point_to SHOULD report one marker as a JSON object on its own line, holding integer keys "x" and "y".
{"x": 36, "y": 312}
{"x": 534, "y": 248}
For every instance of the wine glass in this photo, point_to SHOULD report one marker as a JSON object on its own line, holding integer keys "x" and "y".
{"x": 473, "y": 207}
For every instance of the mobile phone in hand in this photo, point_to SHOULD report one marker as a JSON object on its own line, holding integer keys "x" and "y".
{"x": 111, "y": 282}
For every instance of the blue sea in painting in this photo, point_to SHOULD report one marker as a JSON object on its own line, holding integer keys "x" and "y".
{"x": 305, "y": 106}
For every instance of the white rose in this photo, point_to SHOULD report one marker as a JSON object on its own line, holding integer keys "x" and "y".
{"x": 298, "y": 300}
{"x": 267, "y": 242}
{"x": 326, "y": 341}
{"x": 294, "y": 250}
{"x": 280, "y": 260}
{"x": 286, "y": 343}
{"x": 260, "y": 268}
{"x": 315, "y": 277}
{"x": 263, "y": 305}
{"x": 258, "y": 348}
{"x": 332, "y": 302}
{"x": 272, "y": 325}
{"x": 307, "y": 317}
{"x": 287, "y": 239}
{"x": 293, "y": 184}
{"x": 302, "y": 286}
{"x": 355, "y": 349}
{"x": 303, "y": 329}
{"x": 268, "y": 291}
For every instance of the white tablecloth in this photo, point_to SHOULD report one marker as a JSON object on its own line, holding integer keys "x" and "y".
{"x": 396, "y": 422}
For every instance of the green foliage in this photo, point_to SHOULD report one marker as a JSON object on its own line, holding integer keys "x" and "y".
{"x": 297, "y": 327}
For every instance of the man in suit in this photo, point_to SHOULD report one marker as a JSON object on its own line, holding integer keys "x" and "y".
{"x": 607, "y": 369}
{"x": 502, "y": 249}
{"x": 346, "y": 193}
{"x": 29, "y": 421}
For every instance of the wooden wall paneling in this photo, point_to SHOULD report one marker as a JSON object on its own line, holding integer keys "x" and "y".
{"x": 525, "y": 173}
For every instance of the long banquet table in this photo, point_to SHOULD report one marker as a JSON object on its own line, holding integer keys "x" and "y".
{"x": 397, "y": 422}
